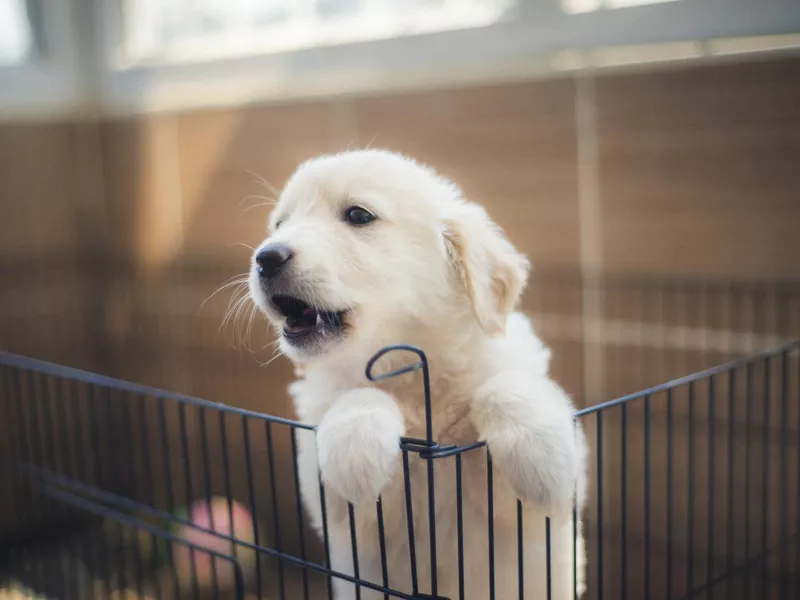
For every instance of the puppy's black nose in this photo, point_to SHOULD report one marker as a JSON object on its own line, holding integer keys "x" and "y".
{"x": 271, "y": 259}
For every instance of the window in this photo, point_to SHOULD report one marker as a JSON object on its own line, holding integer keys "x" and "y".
{"x": 16, "y": 33}
{"x": 182, "y": 31}
{"x": 39, "y": 62}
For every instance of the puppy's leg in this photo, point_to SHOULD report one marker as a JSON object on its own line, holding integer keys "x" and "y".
{"x": 527, "y": 423}
{"x": 358, "y": 444}
{"x": 369, "y": 569}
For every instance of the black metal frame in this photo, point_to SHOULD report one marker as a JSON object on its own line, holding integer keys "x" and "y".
{"x": 87, "y": 451}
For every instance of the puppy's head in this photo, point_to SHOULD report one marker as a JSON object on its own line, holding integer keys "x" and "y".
{"x": 366, "y": 246}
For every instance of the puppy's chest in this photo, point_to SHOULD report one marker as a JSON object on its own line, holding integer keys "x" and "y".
{"x": 449, "y": 409}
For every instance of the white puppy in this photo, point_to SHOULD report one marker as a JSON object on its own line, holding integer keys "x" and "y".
{"x": 367, "y": 249}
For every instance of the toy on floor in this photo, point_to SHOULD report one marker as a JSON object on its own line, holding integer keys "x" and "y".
{"x": 214, "y": 515}
{"x": 182, "y": 552}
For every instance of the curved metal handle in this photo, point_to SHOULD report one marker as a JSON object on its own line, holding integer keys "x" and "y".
{"x": 422, "y": 364}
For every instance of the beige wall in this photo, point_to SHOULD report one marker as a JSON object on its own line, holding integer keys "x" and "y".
{"x": 685, "y": 171}
{"x": 698, "y": 170}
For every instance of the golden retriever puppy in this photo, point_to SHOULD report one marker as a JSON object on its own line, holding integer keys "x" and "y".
{"x": 367, "y": 249}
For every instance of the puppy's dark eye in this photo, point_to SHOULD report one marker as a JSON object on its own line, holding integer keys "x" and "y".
{"x": 278, "y": 224}
{"x": 355, "y": 215}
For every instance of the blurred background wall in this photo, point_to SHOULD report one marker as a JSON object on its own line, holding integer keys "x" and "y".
{"x": 644, "y": 155}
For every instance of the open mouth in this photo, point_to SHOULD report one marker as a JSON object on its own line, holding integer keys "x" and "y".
{"x": 302, "y": 319}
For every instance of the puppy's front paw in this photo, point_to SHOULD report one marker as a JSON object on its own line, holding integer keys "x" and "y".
{"x": 538, "y": 469}
{"x": 358, "y": 443}
{"x": 533, "y": 441}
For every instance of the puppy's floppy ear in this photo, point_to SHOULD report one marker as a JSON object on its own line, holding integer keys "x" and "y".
{"x": 491, "y": 269}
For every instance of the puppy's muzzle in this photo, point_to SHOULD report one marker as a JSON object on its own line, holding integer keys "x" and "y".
{"x": 271, "y": 260}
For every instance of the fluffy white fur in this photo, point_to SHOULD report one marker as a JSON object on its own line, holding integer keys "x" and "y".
{"x": 433, "y": 271}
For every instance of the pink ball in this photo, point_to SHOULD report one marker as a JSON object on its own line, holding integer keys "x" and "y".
{"x": 213, "y": 515}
